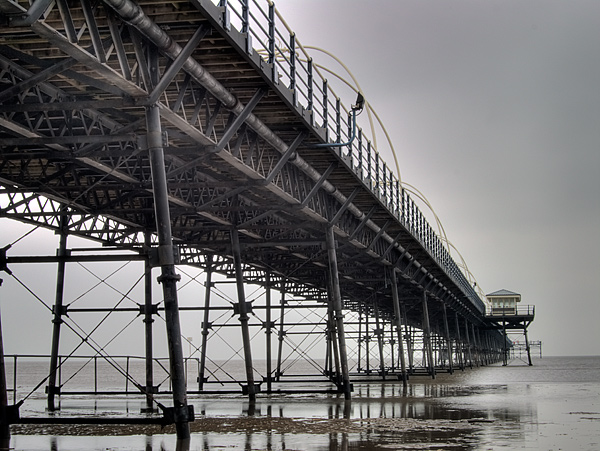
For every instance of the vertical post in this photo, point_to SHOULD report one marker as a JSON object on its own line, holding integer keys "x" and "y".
{"x": 459, "y": 345}
{"x": 448, "y": 342}
{"x": 168, "y": 277}
{"x": 427, "y": 336}
{"x": 359, "y": 339}
{"x": 468, "y": 343}
{"x": 475, "y": 348}
{"x": 396, "y": 301}
{"x": 527, "y": 347}
{"x": 4, "y": 411}
{"x": 205, "y": 323}
{"x": 337, "y": 307}
{"x": 281, "y": 333}
{"x": 268, "y": 332}
{"x": 407, "y": 336}
{"x": 243, "y": 311}
{"x": 148, "y": 320}
{"x": 379, "y": 333}
{"x": 334, "y": 355}
{"x": 57, "y": 313}
{"x": 505, "y": 347}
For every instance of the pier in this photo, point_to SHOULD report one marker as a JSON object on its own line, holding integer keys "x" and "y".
{"x": 195, "y": 142}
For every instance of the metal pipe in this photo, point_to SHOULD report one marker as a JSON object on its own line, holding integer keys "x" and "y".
{"x": 448, "y": 342}
{"x": 337, "y": 307}
{"x": 57, "y": 313}
{"x": 205, "y": 323}
{"x": 243, "y": 310}
{"x": 4, "y": 414}
{"x": 168, "y": 277}
{"x": 268, "y": 331}
{"x": 379, "y": 341}
{"x": 148, "y": 320}
{"x": 396, "y": 301}
{"x": 427, "y": 337}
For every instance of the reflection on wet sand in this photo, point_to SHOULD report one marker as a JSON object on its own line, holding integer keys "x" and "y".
{"x": 378, "y": 416}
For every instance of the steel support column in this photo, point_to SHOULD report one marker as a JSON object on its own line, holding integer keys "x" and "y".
{"x": 268, "y": 332}
{"x": 168, "y": 277}
{"x": 148, "y": 320}
{"x": 57, "y": 315}
{"x": 527, "y": 347}
{"x": 379, "y": 333}
{"x": 469, "y": 355}
{"x": 396, "y": 301}
{"x": 4, "y": 409}
{"x": 447, "y": 336}
{"x": 427, "y": 347}
{"x": 337, "y": 307}
{"x": 459, "y": 345}
{"x": 205, "y": 323}
{"x": 243, "y": 311}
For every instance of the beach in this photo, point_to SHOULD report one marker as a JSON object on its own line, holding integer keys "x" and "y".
{"x": 552, "y": 405}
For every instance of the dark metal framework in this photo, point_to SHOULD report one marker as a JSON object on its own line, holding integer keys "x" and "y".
{"x": 186, "y": 132}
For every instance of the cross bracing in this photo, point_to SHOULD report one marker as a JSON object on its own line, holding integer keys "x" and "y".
{"x": 97, "y": 96}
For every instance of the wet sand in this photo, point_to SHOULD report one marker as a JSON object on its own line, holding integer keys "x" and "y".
{"x": 554, "y": 405}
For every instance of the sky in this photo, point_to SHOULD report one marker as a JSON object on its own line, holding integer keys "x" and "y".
{"x": 493, "y": 107}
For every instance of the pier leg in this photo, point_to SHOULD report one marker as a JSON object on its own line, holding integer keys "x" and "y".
{"x": 448, "y": 342}
{"x": 148, "y": 320}
{"x": 527, "y": 347}
{"x": 505, "y": 354}
{"x": 427, "y": 337}
{"x": 379, "y": 332}
{"x": 396, "y": 301}
{"x": 334, "y": 353}
{"x": 168, "y": 277}
{"x": 459, "y": 345}
{"x": 268, "y": 333}
{"x": 205, "y": 323}
{"x": 57, "y": 315}
{"x": 475, "y": 346}
{"x": 281, "y": 332}
{"x": 337, "y": 307}
{"x": 243, "y": 310}
{"x": 4, "y": 409}
{"x": 469, "y": 355}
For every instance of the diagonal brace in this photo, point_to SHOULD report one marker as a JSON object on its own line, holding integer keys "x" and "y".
{"x": 319, "y": 183}
{"x": 178, "y": 63}
{"x": 237, "y": 123}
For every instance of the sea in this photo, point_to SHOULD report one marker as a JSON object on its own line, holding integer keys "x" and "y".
{"x": 552, "y": 405}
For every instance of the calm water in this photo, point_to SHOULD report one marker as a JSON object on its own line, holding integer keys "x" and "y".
{"x": 553, "y": 405}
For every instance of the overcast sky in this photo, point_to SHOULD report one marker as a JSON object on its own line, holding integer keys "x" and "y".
{"x": 494, "y": 111}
